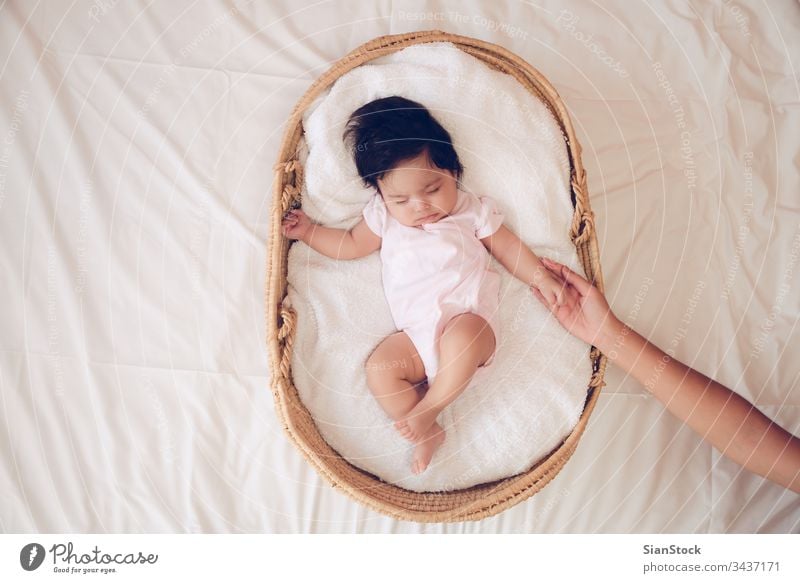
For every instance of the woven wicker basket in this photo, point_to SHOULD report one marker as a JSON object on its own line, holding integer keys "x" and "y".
{"x": 478, "y": 501}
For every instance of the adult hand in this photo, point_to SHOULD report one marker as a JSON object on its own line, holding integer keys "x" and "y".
{"x": 584, "y": 312}
{"x": 728, "y": 421}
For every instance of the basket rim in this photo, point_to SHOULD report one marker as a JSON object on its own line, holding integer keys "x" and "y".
{"x": 481, "y": 500}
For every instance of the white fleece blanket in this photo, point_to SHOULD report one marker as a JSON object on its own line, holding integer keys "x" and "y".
{"x": 513, "y": 413}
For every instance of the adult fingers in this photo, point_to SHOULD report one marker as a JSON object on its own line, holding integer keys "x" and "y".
{"x": 573, "y": 278}
{"x": 551, "y": 268}
{"x": 555, "y": 271}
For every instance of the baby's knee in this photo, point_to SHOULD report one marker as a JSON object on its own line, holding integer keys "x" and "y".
{"x": 373, "y": 366}
{"x": 466, "y": 326}
{"x": 380, "y": 365}
{"x": 466, "y": 333}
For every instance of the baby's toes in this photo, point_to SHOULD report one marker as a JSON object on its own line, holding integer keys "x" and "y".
{"x": 403, "y": 428}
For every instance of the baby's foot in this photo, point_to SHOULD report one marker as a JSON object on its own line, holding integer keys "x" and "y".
{"x": 427, "y": 447}
{"x": 416, "y": 423}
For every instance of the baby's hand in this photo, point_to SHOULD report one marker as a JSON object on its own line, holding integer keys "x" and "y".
{"x": 296, "y": 224}
{"x": 551, "y": 287}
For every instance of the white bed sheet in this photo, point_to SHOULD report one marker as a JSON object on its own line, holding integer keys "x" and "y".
{"x": 137, "y": 151}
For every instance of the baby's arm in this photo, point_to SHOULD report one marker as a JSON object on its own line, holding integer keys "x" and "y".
{"x": 336, "y": 243}
{"x": 523, "y": 263}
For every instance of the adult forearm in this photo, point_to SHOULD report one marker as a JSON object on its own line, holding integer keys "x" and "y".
{"x": 725, "y": 419}
{"x": 335, "y": 243}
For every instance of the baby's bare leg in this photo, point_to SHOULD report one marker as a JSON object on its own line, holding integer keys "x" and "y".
{"x": 466, "y": 343}
{"x": 395, "y": 373}
{"x": 394, "y": 370}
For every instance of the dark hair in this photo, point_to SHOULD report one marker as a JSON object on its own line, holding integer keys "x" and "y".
{"x": 387, "y": 131}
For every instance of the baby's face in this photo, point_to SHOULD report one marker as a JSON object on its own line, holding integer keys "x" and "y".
{"x": 417, "y": 192}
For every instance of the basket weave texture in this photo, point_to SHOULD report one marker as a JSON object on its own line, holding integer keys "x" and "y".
{"x": 479, "y": 501}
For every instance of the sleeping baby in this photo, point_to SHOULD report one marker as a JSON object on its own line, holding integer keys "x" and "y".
{"x": 434, "y": 240}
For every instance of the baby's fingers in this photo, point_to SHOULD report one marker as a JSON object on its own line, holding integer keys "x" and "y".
{"x": 539, "y": 296}
{"x": 292, "y": 214}
{"x": 289, "y": 221}
{"x": 547, "y": 302}
{"x": 288, "y": 228}
{"x": 560, "y": 297}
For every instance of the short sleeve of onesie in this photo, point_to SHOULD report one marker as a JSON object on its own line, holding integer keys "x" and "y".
{"x": 375, "y": 214}
{"x": 489, "y": 218}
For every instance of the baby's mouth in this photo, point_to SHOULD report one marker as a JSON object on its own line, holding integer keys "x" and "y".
{"x": 429, "y": 218}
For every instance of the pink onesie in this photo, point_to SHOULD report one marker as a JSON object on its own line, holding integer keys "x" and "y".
{"x": 436, "y": 271}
